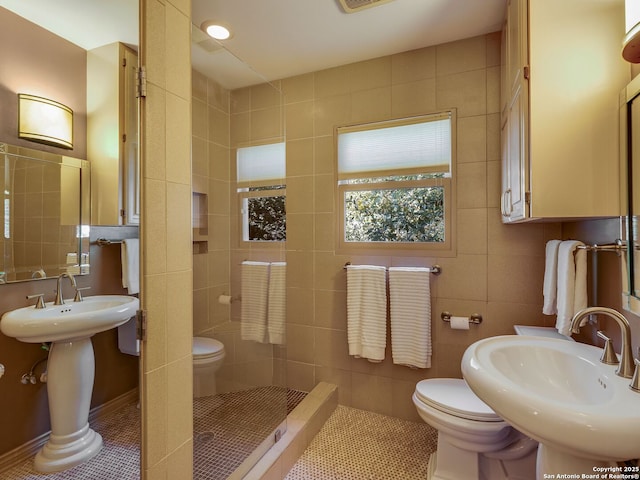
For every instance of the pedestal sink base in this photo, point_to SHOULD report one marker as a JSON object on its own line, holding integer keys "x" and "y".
{"x": 71, "y": 371}
{"x": 552, "y": 461}
{"x": 66, "y": 451}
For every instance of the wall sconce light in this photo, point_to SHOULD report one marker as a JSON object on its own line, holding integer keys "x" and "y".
{"x": 45, "y": 121}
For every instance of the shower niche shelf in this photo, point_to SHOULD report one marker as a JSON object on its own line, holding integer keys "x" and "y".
{"x": 200, "y": 223}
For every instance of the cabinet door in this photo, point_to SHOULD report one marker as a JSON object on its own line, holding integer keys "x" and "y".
{"x": 514, "y": 132}
{"x": 130, "y": 150}
{"x": 515, "y": 196}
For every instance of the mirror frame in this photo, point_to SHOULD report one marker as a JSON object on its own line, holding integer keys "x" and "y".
{"x": 84, "y": 210}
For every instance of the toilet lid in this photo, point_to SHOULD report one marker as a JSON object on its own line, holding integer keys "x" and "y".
{"x": 453, "y": 396}
{"x": 206, "y": 347}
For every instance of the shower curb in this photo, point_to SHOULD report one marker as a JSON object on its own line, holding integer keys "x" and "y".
{"x": 303, "y": 423}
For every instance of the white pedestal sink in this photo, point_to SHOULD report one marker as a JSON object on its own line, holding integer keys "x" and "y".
{"x": 559, "y": 393}
{"x": 70, "y": 369}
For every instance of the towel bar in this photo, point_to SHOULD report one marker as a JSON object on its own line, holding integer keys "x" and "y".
{"x": 103, "y": 242}
{"x": 618, "y": 246}
{"x": 473, "y": 318}
{"x": 435, "y": 269}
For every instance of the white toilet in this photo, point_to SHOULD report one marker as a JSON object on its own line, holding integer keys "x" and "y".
{"x": 474, "y": 443}
{"x": 208, "y": 355}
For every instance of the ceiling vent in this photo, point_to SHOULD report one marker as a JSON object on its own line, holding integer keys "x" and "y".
{"x": 352, "y": 6}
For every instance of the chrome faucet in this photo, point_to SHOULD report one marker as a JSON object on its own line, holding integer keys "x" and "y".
{"x": 627, "y": 366}
{"x": 59, "y": 300}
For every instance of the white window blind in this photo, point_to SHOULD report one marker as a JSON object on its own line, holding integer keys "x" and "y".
{"x": 261, "y": 165}
{"x": 419, "y": 145}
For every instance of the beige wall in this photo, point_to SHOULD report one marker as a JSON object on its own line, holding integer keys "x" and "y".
{"x": 498, "y": 269}
{"x": 165, "y": 231}
{"x": 42, "y": 64}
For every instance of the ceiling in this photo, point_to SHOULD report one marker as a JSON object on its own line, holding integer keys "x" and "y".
{"x": 278, "y": 38}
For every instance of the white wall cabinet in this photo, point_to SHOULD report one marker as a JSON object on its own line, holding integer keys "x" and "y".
{"x": 562, "y": 74}
{"x": 112, "y": 135}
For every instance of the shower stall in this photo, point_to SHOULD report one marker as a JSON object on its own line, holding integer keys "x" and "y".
{"x": 247, "y": 415}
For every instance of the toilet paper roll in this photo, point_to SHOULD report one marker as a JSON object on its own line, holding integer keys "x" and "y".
{"x": 459, "y": 323}
{"x": 224, "y": 299}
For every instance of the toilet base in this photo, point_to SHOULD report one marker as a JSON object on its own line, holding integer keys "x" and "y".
{"x": 449, "y": 462}
{"x": 204, "y": 384}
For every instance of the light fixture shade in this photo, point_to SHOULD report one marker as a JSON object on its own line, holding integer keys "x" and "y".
{"x": 45, "y": 121}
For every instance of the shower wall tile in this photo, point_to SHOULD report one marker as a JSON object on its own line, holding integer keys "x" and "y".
{"x": 180, "y": 402}
{"x": 155, "y": 116}
{"x": 300, "y": 156}
{"x": 323, "y": 155}
{"x": 154, "y": 224}
{"x": 155, "y": 294}
{"x": 166, "y": 239}
{"x": 413, "y": 65}
{"x": 461, "y": 56}
{"x": 179, "y": 308}
{"x": 177, "y": 23}
{"x": 299, "y": 120}
{"x": 299, "y": 88}
{"x": 179, "y": 129}
{"x": 413, "y": 98}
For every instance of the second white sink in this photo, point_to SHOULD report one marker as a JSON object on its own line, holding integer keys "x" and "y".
{"x": 558, "y": 393}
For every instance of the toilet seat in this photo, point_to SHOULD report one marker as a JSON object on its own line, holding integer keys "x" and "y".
{"x": 207, "y": 348}
{"x": 454, "y": 397}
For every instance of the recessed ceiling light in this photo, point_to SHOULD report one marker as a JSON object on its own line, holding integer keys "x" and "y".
{"x": 216, "y": 30}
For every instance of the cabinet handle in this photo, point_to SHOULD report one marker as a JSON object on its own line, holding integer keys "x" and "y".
{"x": 503, "y": 207}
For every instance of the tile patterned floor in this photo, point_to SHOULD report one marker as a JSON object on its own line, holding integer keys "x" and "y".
{"x": 227, "y": 428}
{"x": 352, "y": 445}
{"x": 119, "y": 459}
{"x": 358, "y": 445}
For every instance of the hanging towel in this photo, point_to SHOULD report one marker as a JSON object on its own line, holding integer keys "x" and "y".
{"x": 276, "y": 310}
{"x": 254, "y": 279}
{"x": 572, "y": 283}
{"x": 367, "y": 311}
{"x": 410, "y": 307}
{"x": 130, "y": 257}
{"x": 550, "y": 286}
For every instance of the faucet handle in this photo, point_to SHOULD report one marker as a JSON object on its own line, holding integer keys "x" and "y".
{"x": 78, "y": 297}
{"x": 39, "y": 302}
{"x": 635, "y": 381}
{"x": 609, "y": 356}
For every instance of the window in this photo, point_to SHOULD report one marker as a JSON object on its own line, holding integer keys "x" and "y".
{"x": 260, "y": 183}
{"x": 394, "y": 183}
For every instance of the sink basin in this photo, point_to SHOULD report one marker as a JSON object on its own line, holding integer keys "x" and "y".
{"x": 72, "y": 320}
{"x": 70, "y": 369}
{"x": 560, "y": 394}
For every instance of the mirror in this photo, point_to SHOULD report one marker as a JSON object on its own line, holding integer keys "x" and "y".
{"x": 630, "y": 188}
{"x": 45, "y": 205}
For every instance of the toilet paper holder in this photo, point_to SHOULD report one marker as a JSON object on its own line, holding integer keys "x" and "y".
{"x": 473, "y": 318}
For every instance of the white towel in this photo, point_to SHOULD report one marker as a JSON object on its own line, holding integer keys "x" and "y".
{"x": 130, "y": 257}
{"x": 572, "y": 283}
{"x": 410, "y": 307}
{"x": 550, "y": 286}
{"x": 276, "y": 310}
{"x": 254, "y": 279}
{"x": 367, "y": 311}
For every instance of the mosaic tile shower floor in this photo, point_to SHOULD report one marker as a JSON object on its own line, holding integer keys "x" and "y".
{"x": 227, "y": 427}
{"x": 359, "y": 445}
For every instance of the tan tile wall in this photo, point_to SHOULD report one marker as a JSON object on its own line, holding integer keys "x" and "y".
{"x": 498, "y": 269}
{"x": 167, "y": 427}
